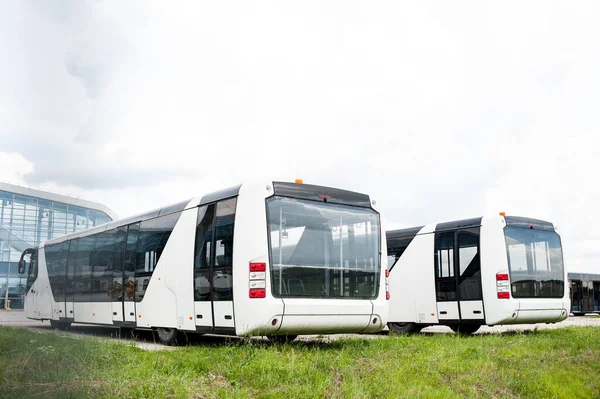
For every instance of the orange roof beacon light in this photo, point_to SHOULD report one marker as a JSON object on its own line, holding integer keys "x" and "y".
{"x": 502, "y": 213}
{"x": 298, "y": 181}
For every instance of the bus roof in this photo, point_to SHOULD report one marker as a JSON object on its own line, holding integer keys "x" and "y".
{"x": 166, "y": 210}
{"x": 303, "y": 191}
{"x": 513, "y": 221}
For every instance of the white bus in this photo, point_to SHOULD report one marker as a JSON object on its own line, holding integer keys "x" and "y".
{"x": 260, "y": 259}
{"x": 482, "y": 271}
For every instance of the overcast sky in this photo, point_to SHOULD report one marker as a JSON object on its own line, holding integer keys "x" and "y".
{"x": 439, "y": 110}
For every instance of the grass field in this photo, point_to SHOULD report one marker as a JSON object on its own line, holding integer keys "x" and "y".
{"x": 545, "y": 363}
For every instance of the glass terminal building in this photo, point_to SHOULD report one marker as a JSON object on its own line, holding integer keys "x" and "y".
{"x": 29, "y": 217}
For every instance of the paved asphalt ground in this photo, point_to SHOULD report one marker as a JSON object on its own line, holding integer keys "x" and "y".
{"x": 147, "y": 340}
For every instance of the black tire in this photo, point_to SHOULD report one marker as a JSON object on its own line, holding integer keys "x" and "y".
{"x": 170, "y": 336}
{"x": 465, "y": 329}
{"x": 282, "y": 339}
{"x": 403, "y": 328}
{"x": 60, "y": 325}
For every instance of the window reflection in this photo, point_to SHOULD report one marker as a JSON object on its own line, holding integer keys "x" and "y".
{"x": 323, "y": 250}
{"x": 535, "y": 263}
{"x": 213, "y": 257}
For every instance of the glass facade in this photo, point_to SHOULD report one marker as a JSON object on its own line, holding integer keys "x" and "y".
{"x": 26, "y": 221}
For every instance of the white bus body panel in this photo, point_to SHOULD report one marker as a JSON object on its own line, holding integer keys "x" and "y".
{"x": 129, "y": 309}
{"x": 58, "y": 309}
{"x": 494, "y": 260}
{"x": 203, "y": 313}
{"x": 252, "y": 315}
{"x": 335, "y": 316}
{"x": 270, "y": 315}
{"x": 169, "y": 298}
{"x": 30, "y": 302}
{"x": 117, "y": 311}
{"x": 471, "y": 310}
{"x": 223, "y": 314}
{"x": 447, "y": 310}
{"x": 101, "y": 312}
{"x": 381, "y": 305}
{"x": 84, "y": 312}
{"x": 70, "y": 309}
{"x": 412, "y": 282}
{"x": 39, "y": 297}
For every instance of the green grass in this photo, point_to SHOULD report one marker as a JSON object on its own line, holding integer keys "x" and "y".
{"x": 544, "y": 363}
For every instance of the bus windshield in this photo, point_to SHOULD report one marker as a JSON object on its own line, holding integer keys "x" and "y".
{"x": 323, "y": 250}
{"x": 535, "y": 262}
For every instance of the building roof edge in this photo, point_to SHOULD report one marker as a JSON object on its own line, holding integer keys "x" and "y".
{"x": 32, "y": 192}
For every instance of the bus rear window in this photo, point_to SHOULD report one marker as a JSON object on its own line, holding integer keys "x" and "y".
{"x": 323, "y": 250}
{"x": 535, "y": 263}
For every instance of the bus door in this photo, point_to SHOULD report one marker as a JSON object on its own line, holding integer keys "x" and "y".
{"x": 30, "y": 293}
{"x": 124, "y": 282}
{"x": 31, "y": 278}
{"x": 123, "y": 243}
{"x": 213, "y": 267}
{"x": 69, "y": 281}
{"x": 458, "y": 275}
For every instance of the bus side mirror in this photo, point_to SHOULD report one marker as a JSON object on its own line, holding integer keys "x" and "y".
{"x": 22, "y": 265}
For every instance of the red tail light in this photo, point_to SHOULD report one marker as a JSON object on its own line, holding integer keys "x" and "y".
{"x": 501, "y": 276}
{"x": 387, "y": 273}
{"x": 258, "y": 293}
{"x": 504, "y": 295}
{"x": 258, "y": 267}
{"x": 387, "y": 296}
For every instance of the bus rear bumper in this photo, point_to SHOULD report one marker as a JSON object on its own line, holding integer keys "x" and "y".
{"x": 529, "y": 311}
{"x": 333, "y": 316}
{"x": 544, "y": 310}
{"x": 329, "y": 324}
{"x": 530, "y": 316}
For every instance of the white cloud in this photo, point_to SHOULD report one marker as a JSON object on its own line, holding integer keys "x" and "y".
{"x": 13, "y": 167}
{"x": 440, "y": 111}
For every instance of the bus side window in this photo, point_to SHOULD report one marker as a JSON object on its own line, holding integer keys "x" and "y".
{"x": 469, "y": 265}
{"x": 444, "y": 266}
{"x": 202, "y": 252}
{"x": 223, "y": 250}
{"x": 81, "y": 260}
{"x": 152, "y": 239}
{"x": 131, "y": 285}
{"x": 33, "y": 270}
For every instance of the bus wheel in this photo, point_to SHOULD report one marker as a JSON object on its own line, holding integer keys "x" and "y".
{"x": 465, "y": 329}
{"x": 403, "y": 328}
{"x": 168, "y": 336}
{"x": 282, "y": 339}
{"x": 59, "y": 325}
